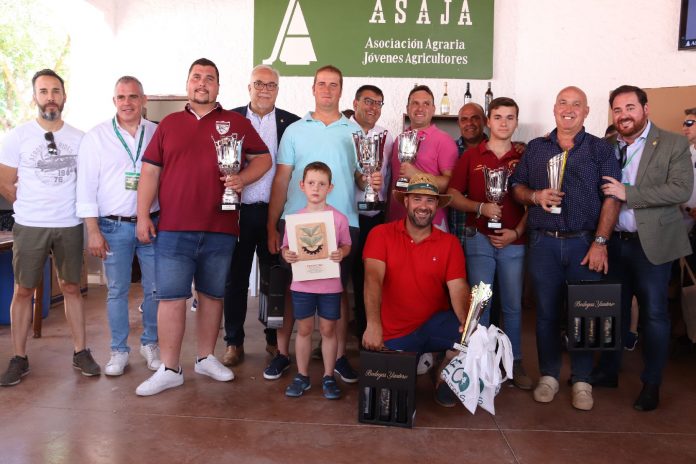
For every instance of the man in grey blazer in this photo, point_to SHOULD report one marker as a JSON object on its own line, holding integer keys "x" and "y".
{"x": 656, "y": 178}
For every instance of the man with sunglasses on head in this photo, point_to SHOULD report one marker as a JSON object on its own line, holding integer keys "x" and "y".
{"x": 38, "y": 165}
{"x": 270, "y": 122}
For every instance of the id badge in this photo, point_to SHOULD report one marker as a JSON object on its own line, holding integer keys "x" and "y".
{"x": 132, "y": 179}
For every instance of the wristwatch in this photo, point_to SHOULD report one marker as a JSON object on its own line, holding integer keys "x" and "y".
{"x": 599, "y": 240}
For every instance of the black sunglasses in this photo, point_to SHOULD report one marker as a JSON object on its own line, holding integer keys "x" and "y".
{"x": 689, "y": 122}
{"x": 52, "y": 148}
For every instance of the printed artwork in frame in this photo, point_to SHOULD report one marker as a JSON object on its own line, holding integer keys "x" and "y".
{"x": 312, "y": 236}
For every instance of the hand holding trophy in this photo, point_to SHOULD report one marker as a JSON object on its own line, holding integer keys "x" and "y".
{"x": 496, "y": 188}
{"x": 229, "y": 156}
{"x": 555, "y": 169}
{"x": 407, "y": 144}
{"x": 370, "y": 151}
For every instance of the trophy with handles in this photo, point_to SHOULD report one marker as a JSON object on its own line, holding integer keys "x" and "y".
{"x": 407, "y": 145}
{"x": 496, "y": 188}
{"x": 229, "y": 157}
{"x": 370, "y": 151}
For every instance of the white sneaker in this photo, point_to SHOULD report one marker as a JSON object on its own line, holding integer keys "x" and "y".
{"x": 151, "y": 353}
{"x": 425, "y": 363}
{"x": 117, "y": 363}
{"x": 211, "y": 367}
{"x": 160, "y": 381}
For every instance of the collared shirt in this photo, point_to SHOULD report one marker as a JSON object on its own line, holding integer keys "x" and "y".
{"x": 102, "y": 166}
{"x": 266, "y": 127}
{"x": 629, "y": 172}
{"x": 589, "y": 159}
{"x": 385, "y": 170}
{"x": 310, "y": 140}
{"x": 437, "y": 153}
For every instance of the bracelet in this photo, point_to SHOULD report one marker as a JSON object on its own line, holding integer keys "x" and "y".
{"x": 478, "y": 210}
{"x": 517, "y": 234}
{"x": 533, "y": 198}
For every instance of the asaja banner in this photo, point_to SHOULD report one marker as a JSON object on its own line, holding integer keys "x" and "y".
{"x": 381, "y": 38}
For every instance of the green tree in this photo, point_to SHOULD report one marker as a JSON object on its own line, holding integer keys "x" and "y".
{"x": 31, "y": 38}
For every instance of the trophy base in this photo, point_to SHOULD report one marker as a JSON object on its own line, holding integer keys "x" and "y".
{"x": 555, "y": 210}
{"x": 401, "y": 186}
{"x": 495, "y": 225}
{"x": 229, "y": 207}
{"x": 371, "y": 206}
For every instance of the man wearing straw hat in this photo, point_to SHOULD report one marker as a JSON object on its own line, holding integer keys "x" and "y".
{"x": 415, "y": 280}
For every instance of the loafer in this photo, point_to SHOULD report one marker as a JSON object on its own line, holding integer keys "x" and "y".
{"x": 520, "y": 379}
{"x": 648, "y": 399}
{"x": 233, "y": 355}
{"x": 582, "y": 396}
{"x": 546, "y": 389}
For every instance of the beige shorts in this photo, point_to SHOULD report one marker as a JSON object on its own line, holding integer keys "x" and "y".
{"x": 33, "y": 244}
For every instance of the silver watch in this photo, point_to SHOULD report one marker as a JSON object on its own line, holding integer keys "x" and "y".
{"x": 599, "y": 240}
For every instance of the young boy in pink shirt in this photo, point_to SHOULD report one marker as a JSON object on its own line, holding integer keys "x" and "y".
{"x": 323, "y": 296}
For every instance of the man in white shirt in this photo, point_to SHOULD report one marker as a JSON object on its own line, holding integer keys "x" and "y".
{"x": 109, "y": 163}
{"x": 38, "y": 164}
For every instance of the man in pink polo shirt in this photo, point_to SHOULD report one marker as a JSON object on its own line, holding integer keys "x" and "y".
{"x": 437, "y": 153}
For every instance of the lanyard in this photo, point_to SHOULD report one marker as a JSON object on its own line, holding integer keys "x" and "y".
{"x": 123, "y": 142}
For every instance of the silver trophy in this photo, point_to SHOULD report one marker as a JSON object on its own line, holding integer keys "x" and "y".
{"x": 480, "y": 296}
{"x": 229, "y": 156}
{"x": 555, "y": 169}
{"x": 496, "y": 188}
{"x": 407, "y": 143}
{"x": 370, "y": 150}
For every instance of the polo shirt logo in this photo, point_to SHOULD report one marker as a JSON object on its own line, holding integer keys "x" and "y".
{"x": 222, "y": 127}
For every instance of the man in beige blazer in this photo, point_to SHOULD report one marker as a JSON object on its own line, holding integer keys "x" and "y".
{"x": 656, "y": 178}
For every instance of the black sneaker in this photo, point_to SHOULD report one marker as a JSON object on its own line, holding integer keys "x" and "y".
{"x": 277, "y": 367}
{"x": 345, "y": 371}
{"x": 84, "y": 362}
{"x": 18, "y": 368}
{"x": 444, "y": 396}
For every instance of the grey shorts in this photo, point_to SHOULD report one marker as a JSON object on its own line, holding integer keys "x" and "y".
{"x": 33, "y": 244}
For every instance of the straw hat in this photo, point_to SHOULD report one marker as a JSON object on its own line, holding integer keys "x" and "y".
{"x": 423, "y": 184}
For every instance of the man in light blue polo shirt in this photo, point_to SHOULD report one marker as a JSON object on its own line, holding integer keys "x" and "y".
{"x": 321, "y": 135}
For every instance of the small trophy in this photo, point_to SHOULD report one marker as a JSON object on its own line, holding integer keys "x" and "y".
{"x": 370, "y": 150}
{"x": 496, "y": 188}
{"x": 229, "y": 156}
{"x": 407, "y": 144}
{"x": 555, "y": 169}
{"x": 480, "y": 296}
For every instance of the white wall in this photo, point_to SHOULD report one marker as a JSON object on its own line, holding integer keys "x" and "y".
{"x": 540, "y": 47}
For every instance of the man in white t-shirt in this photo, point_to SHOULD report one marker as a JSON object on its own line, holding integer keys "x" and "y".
{"x": 38, "y": 165}
{"x": 108, "y": 172}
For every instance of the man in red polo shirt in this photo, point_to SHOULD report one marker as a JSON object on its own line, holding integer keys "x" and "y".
{"x": 416, "y": 294}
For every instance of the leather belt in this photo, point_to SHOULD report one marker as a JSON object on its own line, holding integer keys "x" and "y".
{"x": 132, "y": 219}
{"x": 566, "y": 234}
{"x": 626, "y": 235}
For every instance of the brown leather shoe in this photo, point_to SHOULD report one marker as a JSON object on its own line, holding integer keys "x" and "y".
{"x": 272, "y": 350}
{"x": 520, "y": 379}
{"x": 233, "y": 355}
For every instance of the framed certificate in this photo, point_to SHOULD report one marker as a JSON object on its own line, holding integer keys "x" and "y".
{"x": 313, "y": 237}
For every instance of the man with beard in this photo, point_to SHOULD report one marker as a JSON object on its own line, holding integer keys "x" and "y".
{"x": 656, "y": 177}
{"x": 416, "y": 292}
{"x": 38, "y": 175}
{"x": 195, "y": 238}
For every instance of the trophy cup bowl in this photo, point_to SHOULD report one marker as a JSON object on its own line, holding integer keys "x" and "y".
{"x": 229, "y": 156}
{"x": 407, "y": 146}
{"x": 496, "y": 188}
{"x": 555, "y": 168}
{"x": 370, "y": 152}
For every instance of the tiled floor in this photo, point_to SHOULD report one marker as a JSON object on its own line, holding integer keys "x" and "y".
{"x": 58, "y": 416}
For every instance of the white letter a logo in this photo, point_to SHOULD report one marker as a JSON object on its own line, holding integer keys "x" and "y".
{"x": 293, "y": 42}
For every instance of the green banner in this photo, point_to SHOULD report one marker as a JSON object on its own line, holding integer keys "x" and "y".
{"x": 379, "y": 38}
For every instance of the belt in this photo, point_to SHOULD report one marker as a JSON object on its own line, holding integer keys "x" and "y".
{"x": 470, "y": 231}
{"x": 133, "y": 219}
{"x": 563, "y": 234}
{"x": 258, "y": 204}
{"x": 626, "y": 235}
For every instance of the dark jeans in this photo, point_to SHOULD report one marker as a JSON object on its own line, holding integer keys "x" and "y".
{"x": 437, "y": 334}
{"x": 648, "y": 282}
{"x": 367, "y": 223}
{"x": 252, "y": 239}
{"x": 553, "y": 262}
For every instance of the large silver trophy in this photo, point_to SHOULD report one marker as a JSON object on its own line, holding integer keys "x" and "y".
{"x": 555, "y": 169}
{"x": 407, "y": 145}
{"x": 229, "y": 156}
{"x": 480, "y": 296}
{"x": 370, "y": 150}
{"x": 496, "y": 188}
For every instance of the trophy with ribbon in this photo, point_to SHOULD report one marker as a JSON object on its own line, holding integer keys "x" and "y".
{"x": 407, "y": 145}
{"x": 496, "y": 188}
{"x": 555, "y": 169}
{"x": 229, "y": 156}
{"x": 370, "y": 151}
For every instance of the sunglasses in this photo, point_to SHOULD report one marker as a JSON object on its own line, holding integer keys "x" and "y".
{"x": 52, "y": 148}
{"x": 689, "y": 122}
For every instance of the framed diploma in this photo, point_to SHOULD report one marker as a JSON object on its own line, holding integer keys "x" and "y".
{"x": 312, "y": 236}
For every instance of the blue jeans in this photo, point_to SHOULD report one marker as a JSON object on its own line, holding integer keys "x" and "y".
{"x": 648, "y": 282}
{"x": 123, "y": 245}
{"x": 326, "y": 305}
{"x": 553, "y": 262}
{"x": 483, "y": 263}
{"x": 182, "y": 257}
{"x": 439, "y": 333}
